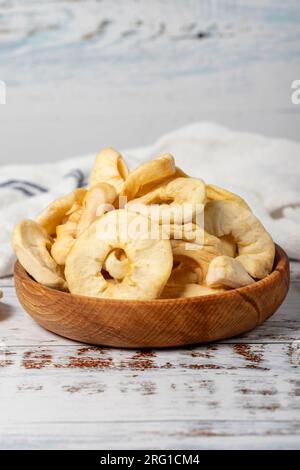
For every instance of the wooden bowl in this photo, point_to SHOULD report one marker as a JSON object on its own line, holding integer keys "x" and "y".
{"x": 154, "y": 323}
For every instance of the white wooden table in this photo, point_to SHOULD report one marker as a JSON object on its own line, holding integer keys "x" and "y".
{"x": 87, "y": 74}
{"x": 240, "y": 393}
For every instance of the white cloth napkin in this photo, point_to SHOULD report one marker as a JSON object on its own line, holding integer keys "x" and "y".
{"x": 266, "y": 172}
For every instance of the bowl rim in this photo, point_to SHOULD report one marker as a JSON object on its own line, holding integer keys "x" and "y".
{"x": 281, "y": 263}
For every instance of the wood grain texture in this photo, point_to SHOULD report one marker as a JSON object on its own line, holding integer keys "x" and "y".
{"x": 57, "y": 394}
{"x": 69, "y": 396}
{"x": 158, "y": 323}
{"x": 19, "y": 330}
{"x": 218, "y": 60}
{"x": 174, "y": 434}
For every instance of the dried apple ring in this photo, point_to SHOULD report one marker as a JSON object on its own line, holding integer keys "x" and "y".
{"x": 96, "y": 202}
{"x": 147, "y": 188}
{"x": 56, "y": 213}
{"x": 256, "y": 249}
{"x": 150, "y": 260}
{"x": 66, "y": 235}
{"x": 109, "y": 167}
{"x": 227, "y": 271}
{"x": 188, "y": 290}
{"x": 116, "y": 264}
{"x": 196, "y": 254}
{"x": 32, "y": 243}
{"x": 191, "y": 262}
{"x": 216, "y": 193}
{"x": 185, "y": 271}
{"x": 152, "y": 172}
{"x": 178, "y": 201}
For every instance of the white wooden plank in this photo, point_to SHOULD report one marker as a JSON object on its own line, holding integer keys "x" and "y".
{"x": 295, "y": 271}
{"x": 253, "y": 48}
{"x": 227, "y": 382}
{"x": 19, "y": 329}
{"x": 7, "y": 281}
{"x": 193, "y": 434}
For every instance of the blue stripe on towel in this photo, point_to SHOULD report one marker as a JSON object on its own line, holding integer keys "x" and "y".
{"x": 24, "y": 190}
{"x": 79, "y": 176}
{"x": 23, "y": 186}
